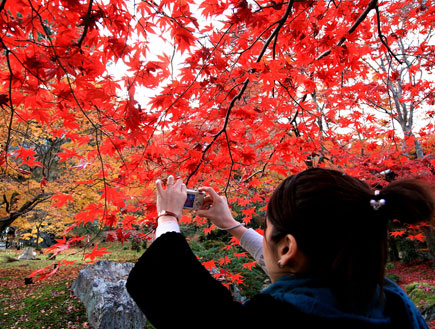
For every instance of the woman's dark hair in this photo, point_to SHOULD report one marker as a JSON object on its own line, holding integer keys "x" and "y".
{"x": 338, "y": 229}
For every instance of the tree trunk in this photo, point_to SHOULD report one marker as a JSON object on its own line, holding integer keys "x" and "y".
{"x": 393, "y": 250}
{"x": 24, "y": 209}
{"x": 37, "y": 238}
{"x": 430, "y": 241}
{"x": 418, "y": 149}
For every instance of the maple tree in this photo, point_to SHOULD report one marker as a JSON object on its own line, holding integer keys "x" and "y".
{"x": 238, "y": 94}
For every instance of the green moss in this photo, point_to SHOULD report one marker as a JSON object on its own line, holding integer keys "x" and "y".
{"x": 46, "y": 307}
{"x": 421, "y": 293}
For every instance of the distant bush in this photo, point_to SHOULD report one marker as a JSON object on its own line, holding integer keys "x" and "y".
{"x": 211, "y": 246}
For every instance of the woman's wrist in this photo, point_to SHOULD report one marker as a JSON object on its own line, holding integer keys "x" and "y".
{"x": 237, "y": 231}
{"x": 167, "y": 218}
{"x": 227, "y": 223}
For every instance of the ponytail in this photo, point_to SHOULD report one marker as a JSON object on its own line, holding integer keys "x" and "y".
{"x": 409, "y": 201}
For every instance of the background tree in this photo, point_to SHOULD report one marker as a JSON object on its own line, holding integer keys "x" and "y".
{"x": 240, "y": 94}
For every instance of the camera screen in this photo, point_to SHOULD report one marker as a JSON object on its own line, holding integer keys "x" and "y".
{"x": 189, "y": 201}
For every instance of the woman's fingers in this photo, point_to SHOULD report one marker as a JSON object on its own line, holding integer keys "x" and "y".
{"x": 170, "y": 182}
{"x": 207, "y": 202}
{"x": 178, "y": 185}
{"x": 203, "y": 212}
{"x": 211, "y": 192}
{"x": 159, "y": 187}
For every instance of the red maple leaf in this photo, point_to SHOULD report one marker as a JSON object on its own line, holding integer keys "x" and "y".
{"x": 240, "y": 254}
{"x": 24, "y": 153}
{"x": 249, "y": 265}
{"x": 43, "y": 182}
{"x": 237, "y": 278}
{"x": 208, "y": 230}
{"x": 45, "y": 272}
{"x": 110, "y": 238}
{"x": 397, "y": 233}
{"x": 61, "y": 199}
{"x": 121, "y": 237}
{"x": 210, "y": 265}
{"x": 224, "y": 260}
{"x": 96, "y": 253}
{"x": 63, "y": 156}
{"x": 420, "y": 237}
{"x": 110, "y": 220}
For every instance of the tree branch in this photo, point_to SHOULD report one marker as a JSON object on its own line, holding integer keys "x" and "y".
{"x": 381, "y": 36}
{"x": 11, "y": 105}
{"x": 242, "y": 90}
{"x": 232, "y": 163}
{"x": 2, "y": 5}
{"x": 86, "y": 24}
{"x": 25, "y": 208}
{"x": 372, "y": 5}
{"x": 227, "y": 116}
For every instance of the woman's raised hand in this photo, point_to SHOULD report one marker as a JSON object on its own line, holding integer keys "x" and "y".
{"x": 173, "y": 198}
{"x": 216, "y": 209}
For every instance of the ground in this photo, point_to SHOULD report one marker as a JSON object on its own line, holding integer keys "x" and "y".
{"x": 50, "y": 304}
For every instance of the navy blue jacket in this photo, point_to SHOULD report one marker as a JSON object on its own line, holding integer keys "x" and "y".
{"x": 174, "y": 290}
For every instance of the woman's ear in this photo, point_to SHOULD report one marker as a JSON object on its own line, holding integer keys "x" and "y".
{"x": 287, "y": 250}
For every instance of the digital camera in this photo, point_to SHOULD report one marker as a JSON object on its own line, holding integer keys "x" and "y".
{"x": 194, "y": 199}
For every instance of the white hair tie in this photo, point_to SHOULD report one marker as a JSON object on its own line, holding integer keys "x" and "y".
{"x": 376, "y": 204}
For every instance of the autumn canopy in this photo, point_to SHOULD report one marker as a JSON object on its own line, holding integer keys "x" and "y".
{"x": 99, "y": 98}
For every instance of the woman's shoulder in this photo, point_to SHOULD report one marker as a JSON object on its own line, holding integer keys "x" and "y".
{"x": 270, "y": 312}
{"x": 275, "y": 313}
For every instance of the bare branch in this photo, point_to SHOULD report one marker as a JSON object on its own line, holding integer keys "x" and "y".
{"x": 382, "y": 37}
{"x": 86, "y": 24}
{"x": 232, "y": 163}
{"x": 2, "y": 5}
{"x": 227, "y": 116}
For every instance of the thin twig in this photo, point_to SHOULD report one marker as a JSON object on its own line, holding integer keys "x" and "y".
{"x": 382, "y": 37}
{"x": 227, "y": 116}
{"x": 232, "y": 163}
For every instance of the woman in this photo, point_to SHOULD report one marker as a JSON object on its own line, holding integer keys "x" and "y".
{"x": 324, "y": 248}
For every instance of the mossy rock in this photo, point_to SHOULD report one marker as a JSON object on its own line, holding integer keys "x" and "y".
{"x": 423, "y": 296}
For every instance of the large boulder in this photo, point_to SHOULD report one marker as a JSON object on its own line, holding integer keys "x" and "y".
{"x": 101, "y": 288}
{"x": 27, "y": 254}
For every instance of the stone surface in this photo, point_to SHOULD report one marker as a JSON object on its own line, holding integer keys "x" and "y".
{"x": 101, "y": 288}
{"x": 429, "y": 314}
{"x": 27, "y": 254}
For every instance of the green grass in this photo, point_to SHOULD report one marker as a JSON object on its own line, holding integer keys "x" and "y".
{"x": 51, "y": 305}
{"x": 422, "y": 294}
{"x": 118, "y": 253}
